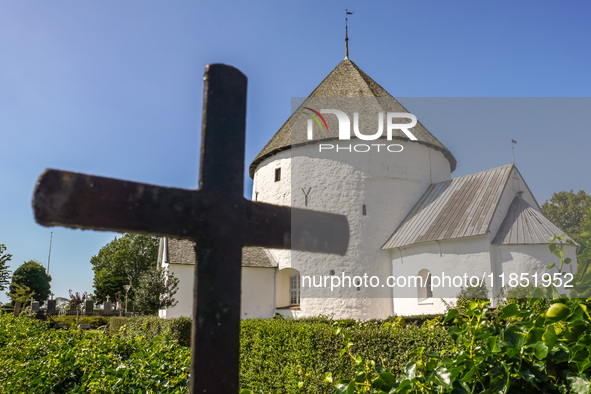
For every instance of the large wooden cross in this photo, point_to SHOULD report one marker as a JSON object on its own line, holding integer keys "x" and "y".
{"x": 216, "y": 217}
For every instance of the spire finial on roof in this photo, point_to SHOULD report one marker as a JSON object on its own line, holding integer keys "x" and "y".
{"x": 347, "y": 13}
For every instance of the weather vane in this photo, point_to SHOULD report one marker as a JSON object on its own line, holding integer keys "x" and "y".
{"x": 513, "y": 142}
{"x": 347, "y": 13}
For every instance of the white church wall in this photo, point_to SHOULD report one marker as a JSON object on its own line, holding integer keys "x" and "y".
{"x": 453, "y": 258}
{"x": 185, "y": 274}
{"x": 528, "y": 262}
{"x": 387, "y": 184}
{"x": 257, "y": 292}
{"x": 258, "y": 289}
{"x": 440, "y": 170}
{"x": 267, "y": 189}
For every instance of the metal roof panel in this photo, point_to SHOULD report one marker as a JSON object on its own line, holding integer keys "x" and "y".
{"x": 524, "y": 224}
{"x": 462, "y": 207}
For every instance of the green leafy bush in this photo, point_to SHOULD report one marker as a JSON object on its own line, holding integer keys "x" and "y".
{"x": 37, "y": 359}
{"x": 542, "y": 346}
{"x": 524, "y": 351}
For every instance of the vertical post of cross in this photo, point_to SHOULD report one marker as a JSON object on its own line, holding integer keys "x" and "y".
{"x": 215, "y": 343}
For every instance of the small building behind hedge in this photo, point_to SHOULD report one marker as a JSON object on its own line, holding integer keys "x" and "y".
{"x": 258, "y": 279}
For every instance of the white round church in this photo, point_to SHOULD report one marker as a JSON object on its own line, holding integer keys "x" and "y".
{"x": 417, "y": 236}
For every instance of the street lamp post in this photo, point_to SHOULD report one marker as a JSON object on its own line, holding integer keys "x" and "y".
{"x": 126, "y": 287}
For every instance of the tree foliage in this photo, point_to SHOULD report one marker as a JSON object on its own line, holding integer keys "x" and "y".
{"x": 32, "y": 274}
{"x": 4, "y": 272}
{"x": 21, "y": 293}
{"x": 121, "y": 262}
{"x": 568, "y": 210}
{"x": 583, "y": 276}
{"x": 155, "y": 291}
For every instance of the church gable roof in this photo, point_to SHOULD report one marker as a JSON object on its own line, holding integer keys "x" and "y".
{"x": 346, "y": 80}
{"x": 183, "y": 252}
{"x": 524, "y": 224}
{"x": 460, "y": 207}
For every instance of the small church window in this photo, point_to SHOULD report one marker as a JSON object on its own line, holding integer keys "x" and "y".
{"x": 331, "y": 272}
{"x": 277, "y": 174}
{"x": 424, "y": 288}
{"x": 364, "y": 210}
{"x": 294, "y": 289}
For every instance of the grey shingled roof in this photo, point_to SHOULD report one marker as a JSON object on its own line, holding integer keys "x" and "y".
{"x": 346, "y": 80}
{"x": 460, "y": 207}
{"x": 256, "y": 257}
{"x": 183, "y": 252}
{"x": 523, "y": 224}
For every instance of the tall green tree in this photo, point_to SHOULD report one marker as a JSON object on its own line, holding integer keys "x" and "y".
{"x": 4, "y": 271}
{"x": 568, "y": 210}
{"x": 156, "y": 291}
{"x": 121, "y": 262}
{"x": 32, "y": 275}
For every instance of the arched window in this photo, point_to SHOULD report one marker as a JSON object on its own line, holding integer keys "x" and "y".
{"x": 294, "y": 288}
{"x": 288, "y": 284}
{"x": 424, "y": 288}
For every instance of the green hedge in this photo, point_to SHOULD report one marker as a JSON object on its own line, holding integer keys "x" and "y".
{"x": 277, "y": 355}
{"x": 150, "y": 327}
{"x": 37, "y": 359}
{"x": 94, "y": 321}
{"x": 115, "y": 323}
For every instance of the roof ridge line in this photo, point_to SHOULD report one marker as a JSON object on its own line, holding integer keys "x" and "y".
{"x": 507, "y": 177}
{"x": 365, "y": 79}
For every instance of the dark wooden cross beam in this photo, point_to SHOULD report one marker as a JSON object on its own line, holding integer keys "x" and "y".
{"x": 216, "y": 217}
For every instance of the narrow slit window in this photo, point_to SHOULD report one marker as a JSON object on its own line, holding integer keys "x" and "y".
{"x": 425, "y": 289}
{"x": 277, "y": 174}
{"x": 364, "y": 210}
{"x": 429, "y": 286}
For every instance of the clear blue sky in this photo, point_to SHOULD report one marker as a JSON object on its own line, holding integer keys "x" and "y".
{"x": 113, "y": 88}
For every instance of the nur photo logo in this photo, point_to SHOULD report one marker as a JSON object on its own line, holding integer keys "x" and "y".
{"x": 390, "y": 123}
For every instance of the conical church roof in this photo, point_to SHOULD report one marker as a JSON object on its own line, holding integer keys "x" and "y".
{"x": 346, "y": 80}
